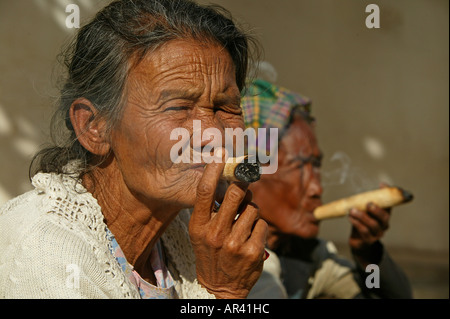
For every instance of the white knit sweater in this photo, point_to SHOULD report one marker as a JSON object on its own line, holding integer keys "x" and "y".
{"x": 53, "y": 244}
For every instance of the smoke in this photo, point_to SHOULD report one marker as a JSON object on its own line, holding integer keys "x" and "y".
{"x": 336, "y": 175}
{"x": 340, "y": 172}
{"x": 263, "y": 70}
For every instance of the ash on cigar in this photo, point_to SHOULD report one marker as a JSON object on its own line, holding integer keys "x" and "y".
{"x": 248, "y": 172}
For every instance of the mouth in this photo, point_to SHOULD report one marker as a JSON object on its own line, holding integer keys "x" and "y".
{"x": 313, "y": 204}
{"x": 310, "y": 212}
{"x": 314, "y": 220}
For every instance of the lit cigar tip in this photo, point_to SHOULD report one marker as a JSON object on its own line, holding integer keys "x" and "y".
{"x": 407, "y": 196}
{"x": 248, "y": 172}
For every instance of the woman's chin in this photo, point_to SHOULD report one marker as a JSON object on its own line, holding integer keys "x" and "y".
{"x": 309, "y": 231}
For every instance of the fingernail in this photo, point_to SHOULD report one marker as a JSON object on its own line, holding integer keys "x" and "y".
{"x": 266, "y": 255}
{"x": 354, "y": 212}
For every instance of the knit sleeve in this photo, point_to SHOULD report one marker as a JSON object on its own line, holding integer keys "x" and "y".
{"x": 54, "y": 262}
{"x": 181, "y": 259}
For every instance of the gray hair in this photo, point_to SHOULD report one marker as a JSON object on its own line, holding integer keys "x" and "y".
{"x": 104, "y": 52}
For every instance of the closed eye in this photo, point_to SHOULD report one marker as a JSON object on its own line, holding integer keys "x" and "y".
{"x": 177, "y": 108}
{"x": 314, "y": 160}
{"x": 228, "y": 109}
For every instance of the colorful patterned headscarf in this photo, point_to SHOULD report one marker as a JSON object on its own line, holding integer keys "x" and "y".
{"x": 266, "y": 105}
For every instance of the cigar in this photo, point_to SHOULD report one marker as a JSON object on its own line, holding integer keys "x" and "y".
{"x": 239, "y": 169}
{"x": 383, "y": 197}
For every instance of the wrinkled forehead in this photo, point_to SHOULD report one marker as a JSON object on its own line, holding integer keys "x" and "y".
{"x": 182, "y": 63}
{"x": 300, "y": 139}
{"x": 187, "y": 52}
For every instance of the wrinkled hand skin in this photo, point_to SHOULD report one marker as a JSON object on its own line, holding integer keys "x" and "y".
{"x": 368, "y": 227}
{"x": 229, "y": 253}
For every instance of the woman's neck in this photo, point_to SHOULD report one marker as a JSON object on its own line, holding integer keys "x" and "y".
{"x": 135, "y": 225}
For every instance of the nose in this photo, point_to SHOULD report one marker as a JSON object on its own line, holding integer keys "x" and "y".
{"x": 315, "y": 189}
{"x": 207, "y": 135}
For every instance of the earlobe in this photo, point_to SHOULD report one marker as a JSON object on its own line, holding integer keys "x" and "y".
{"x": 90, "y": 130}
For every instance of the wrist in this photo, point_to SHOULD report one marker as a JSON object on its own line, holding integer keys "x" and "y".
{"x": 224, "y": 294}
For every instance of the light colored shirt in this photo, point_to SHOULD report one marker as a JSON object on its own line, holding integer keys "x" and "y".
{"x": 165, "y": 288}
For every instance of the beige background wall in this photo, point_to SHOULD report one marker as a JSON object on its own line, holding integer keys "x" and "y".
{"x": 380, "y": 95}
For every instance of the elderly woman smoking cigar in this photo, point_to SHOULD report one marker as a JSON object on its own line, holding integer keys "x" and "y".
{"x": 109, "y": 209}
{"x": 302, "y": 265}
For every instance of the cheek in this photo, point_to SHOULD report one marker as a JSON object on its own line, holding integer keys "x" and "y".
{"x": 144, "y": 143}
{"x": 275, "y": 205}
{"x": 281, "y": 204}
{"x": 289, "y": 206}
{"x": 143, "y": 157}
{"x": 293, "y": 191}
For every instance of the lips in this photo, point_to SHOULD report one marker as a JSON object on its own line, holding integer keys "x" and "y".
{"x": 311, "y": 207}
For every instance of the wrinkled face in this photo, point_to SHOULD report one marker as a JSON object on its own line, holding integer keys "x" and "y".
{"x": 287, "y": 198}
{"x": 181, "y": 82}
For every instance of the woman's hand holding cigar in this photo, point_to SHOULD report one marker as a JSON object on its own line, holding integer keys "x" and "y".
{"x": 368, "y": 227}
{"x": 369, "y": 214}
{"x": 229, "y": 249}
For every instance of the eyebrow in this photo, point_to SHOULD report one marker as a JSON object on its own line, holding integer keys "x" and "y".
{"x": 178, "y": 94}
{"x": 220, "y": 99}
{"x": 309, "y": 158}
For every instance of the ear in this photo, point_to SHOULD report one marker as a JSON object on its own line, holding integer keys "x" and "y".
{"x": 90, "y": 130}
